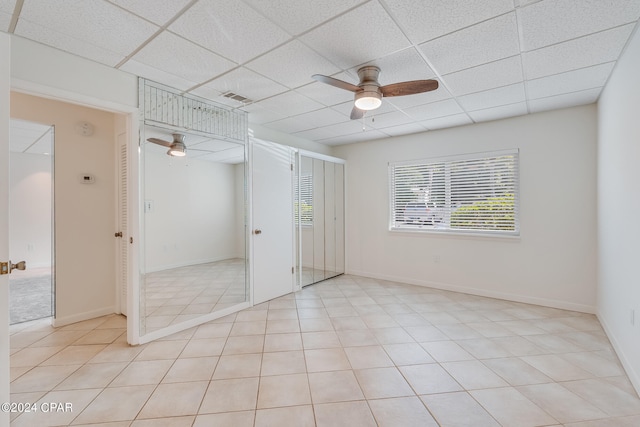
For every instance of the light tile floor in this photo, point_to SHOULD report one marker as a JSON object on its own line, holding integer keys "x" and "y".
{"x": 349, "y": 351}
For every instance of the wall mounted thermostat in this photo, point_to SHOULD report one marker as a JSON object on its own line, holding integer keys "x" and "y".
{"x": 87, "y": 178}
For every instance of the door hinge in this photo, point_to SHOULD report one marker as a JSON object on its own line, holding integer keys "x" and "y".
{"x": 4, "y": 268}
{"x": 292, "y": 166}
{"x": 292, "y": 270}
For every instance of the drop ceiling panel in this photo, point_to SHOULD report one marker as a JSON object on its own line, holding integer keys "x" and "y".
{"x": 367, "y": 135}
{"x": 151, "y": 73}
{"x": 485, "y": 42}
{"x": 294, "y": 16}
{"x": 24, "y": 135}
{"x": 447, "y": 121}
{"x": 566, "y": 100}
{"x": 230, "y": 28}
{"x": 157, "y": 11}
{"x": 493, "y": 97}
{"x": 177, "y": 56}
{"x": 315, "y": 134}
{"x": 579, "y": 53}
{"x": 427, "y": 19}
{"x": 290, "y": 104}
{"x": 6, "y": 12}
{"x": 382, "y": 121}
{"x": 348, "y": 127}
{"x": 572, "y": 81}
{"x": 404, "y": 129}
{"x": 359, "y": 36}
{"x": 278, "y": 66}
{"x": 67, "y": 43}
{"x": 550, "y": 22}
{"x": 484, "y": 77}
{"x": 501, "y": 112}
{"x": 447, "y": 107}
{"x": 94, "y": 22}
{"x": 246, "y": 83}
{"x": 261, "y": 115}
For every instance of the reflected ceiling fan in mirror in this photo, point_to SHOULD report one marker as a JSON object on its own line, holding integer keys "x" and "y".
{"x": 177, "y": 148}
{"x": 369, "y": 93}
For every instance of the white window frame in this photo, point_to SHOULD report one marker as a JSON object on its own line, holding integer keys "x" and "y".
{"x": 416, "y": 210}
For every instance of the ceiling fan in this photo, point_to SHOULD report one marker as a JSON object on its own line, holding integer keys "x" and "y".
{"x": 369, "y": 93}
{"x": 177, "y": 148}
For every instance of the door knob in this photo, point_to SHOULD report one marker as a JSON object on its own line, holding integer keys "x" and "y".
{"x": 257, "y": 231}
{"x": 8, "y": 267}
{"x": 19, "y": 266}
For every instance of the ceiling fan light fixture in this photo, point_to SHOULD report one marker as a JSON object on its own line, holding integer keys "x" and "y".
{"x": 368, "y": 100}
{"x": 177, "y": 149}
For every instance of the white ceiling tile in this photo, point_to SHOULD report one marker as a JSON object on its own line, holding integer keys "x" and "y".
{"x": 307, "y": 121}
{"x": 549, "y": 22}
{"x": 572, "y": 81}
{"x": 175, "y": 55}
{"x": 501, "y": 112}
{"x": 157, "y": 11}
{"x": 447, "y": 121}
{"x": 292, "y": 65}
{"x": 348, "y": 127}
{"x": 427, "y": 19}
{"x": 357, "y": 37}
{"x": 493, "y": 97}
{"x": 566, "y": 100}
{"x": 290, "y": 104}
{"x": 405, "y": 129}
{"x": 230, "y": 28}
{"x": 261, "y": 115}
{"x": 401, "y": 66}
{"x": 94, "y": 22}
{"x": 80, "y": 47}
{"x": 292, "y": 125}
{"x": 485, "y": 42}
{"x": 488, "y": 76}
{"x": 367, "y": 135}
{"x": 6, "y": 12}
{"x": 315, "y": 134}
{"x": 246, "y": 83}
{"x": 142, "y": 70}
{"x": 294, "y": 16}
{"x": 447, "y": 107}
{"x": 326, "y": 94}
{"x": 382, "y": 121}
{"x": 25, "y": 136}
{"x": 579, "y": 53}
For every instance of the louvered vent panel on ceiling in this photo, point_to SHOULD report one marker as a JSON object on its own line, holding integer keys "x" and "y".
{"x": 166, "y": 107}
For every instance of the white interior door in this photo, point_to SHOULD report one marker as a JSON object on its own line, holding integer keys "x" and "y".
{"x": 5, "y": 53}
{"x": 272, "y": 220}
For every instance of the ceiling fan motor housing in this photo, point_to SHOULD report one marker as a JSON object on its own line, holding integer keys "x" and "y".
{"x": 370, "y": 97}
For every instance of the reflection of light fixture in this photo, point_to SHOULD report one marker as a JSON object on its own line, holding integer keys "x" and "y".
{"x": 368, "y": 99}
{"x": 177, "y": 147}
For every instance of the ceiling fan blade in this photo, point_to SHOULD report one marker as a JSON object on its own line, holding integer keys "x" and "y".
{"x": 357, "y": 113}
{"x": 337, "y": 83}
{"x": 409, "y": 88}
{"x": 159, "y": 142}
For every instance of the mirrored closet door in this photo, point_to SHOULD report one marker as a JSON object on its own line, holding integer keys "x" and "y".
{"x": 319, "y": 209}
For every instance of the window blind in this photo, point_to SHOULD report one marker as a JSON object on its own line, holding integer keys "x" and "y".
{"x": 477, "y": 193}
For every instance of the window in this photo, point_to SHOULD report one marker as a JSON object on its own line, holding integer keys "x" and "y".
{"x": 475, "y": 193}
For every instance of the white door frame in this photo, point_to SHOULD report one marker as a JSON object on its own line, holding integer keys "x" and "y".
{"x": 5, "y": 90}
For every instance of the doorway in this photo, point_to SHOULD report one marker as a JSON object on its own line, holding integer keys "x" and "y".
{"x": 31, "y": 291}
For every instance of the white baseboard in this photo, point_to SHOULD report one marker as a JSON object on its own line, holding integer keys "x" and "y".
{"x": 634, "y": 376}
{"x": 79, "y": 317}
{"x": 563, "y": 305}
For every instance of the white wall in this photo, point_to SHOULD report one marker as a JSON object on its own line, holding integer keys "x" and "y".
{"x": 30, "y": 209}
{"x": 552, "y": 263}
{"x": 193, "y": 217}
{"x": 84, "y": 213}
{"x": 618, "y": 207}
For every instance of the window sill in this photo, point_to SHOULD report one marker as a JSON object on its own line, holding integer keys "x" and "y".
{"x": 433, "y": 232}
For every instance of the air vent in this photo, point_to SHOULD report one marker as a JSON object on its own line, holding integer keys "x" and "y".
{"x": 237, "y": 97}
